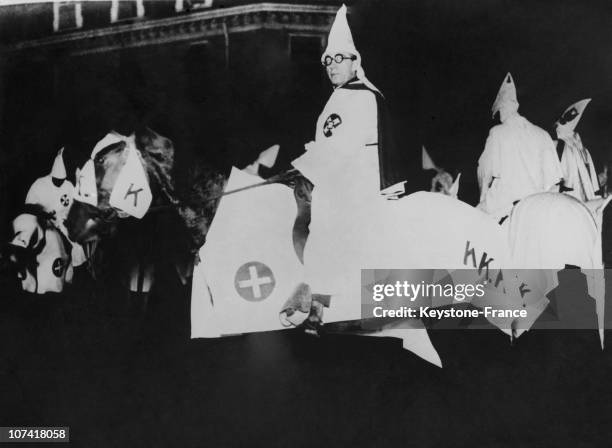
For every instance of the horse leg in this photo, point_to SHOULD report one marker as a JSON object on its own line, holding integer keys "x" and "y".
{"x": 141, "y": 282}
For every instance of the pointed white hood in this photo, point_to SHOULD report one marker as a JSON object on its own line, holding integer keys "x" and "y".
{"x": 340, "y": 40}
{"x": 131, "y": 193}
{"x": 506, "y": 97}
{"x": 86, "y": 190}
{"x": 58, "y": 170}
{"x": 109, "y": 139}
{"x": 566, "y": 124}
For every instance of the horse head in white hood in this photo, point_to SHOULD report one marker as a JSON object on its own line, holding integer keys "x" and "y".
{"x": 567, "y": 122}
{"x": 506, "y": 102}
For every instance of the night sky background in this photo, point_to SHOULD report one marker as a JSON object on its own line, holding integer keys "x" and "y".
{"x": 439, "y": 64}
{"x": 139, "y": 381}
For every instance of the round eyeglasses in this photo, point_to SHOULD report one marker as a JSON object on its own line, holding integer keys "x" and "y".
{"x": 327, "y": 60}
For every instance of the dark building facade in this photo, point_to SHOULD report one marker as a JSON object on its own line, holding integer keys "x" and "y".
{"x": 220, "y": 78}
{"x": 226, "y": 78}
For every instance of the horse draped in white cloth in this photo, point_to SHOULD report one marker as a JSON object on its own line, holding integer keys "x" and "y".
{"x": 531, "y": 247}
{"x": 39, "y": 252}
{"x": 250, "y": 268}
{"x": 130, "y": 184}
{"x": 549, "y": 231}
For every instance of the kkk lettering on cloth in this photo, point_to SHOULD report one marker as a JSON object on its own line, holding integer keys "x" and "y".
{"x": 131, "y": 193}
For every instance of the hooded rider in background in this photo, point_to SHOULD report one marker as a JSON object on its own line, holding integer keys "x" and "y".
{"x": 55, "y": 193}
{"x": 40, "y": 248}
{"x": 579, "y": 175}
{"x": 519, "y": 158}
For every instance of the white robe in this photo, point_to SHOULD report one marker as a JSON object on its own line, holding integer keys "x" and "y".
{"x": 342, "y": 163}
{"x": 56, "y": 200}
{"x": 519, "y": 159}
{"x": 579, "y": 170}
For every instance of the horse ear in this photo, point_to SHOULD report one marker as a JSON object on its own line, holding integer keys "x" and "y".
{"x": 454, "y": 189}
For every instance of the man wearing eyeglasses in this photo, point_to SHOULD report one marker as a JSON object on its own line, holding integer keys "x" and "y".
{"x": 354, "y": 169}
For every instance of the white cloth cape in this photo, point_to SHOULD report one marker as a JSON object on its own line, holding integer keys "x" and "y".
{"x": 53, "y": 267}
{"x": 342, "y": 163}
{"x": 519, "y": 159}
{"x": 53, "y": 199}
{"x": 56, "y": 200}
{"x": 576, "y": 175}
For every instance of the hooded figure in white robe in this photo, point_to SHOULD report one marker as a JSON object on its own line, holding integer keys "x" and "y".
{"x": 343, "y": 164}
{"x": 355, "y": 169}
{"x": 55, "y": 193}
{"x": 579, "y": 175}
{"x": 519, "y": 158}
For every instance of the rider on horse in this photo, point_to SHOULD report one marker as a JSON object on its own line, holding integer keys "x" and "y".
{"x": 54, "y": 193}
{"x": 519, "y": 158}
{"x": 352, "y": 165}
{"x": 579, "y": 175}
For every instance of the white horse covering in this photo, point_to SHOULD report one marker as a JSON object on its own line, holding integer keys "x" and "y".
{"x": 249, "y": 267}
{"x": 53, "y": 267}
{"x": 548, "y": 231}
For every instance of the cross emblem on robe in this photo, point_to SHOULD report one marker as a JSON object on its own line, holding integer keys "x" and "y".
{"x": 254, "y": 281}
